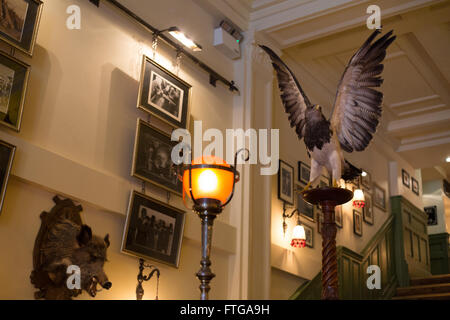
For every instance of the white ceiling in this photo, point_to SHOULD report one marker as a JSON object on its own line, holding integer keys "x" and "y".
{"x": 319, "y": 37}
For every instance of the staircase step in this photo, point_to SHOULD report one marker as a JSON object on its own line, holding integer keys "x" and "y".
{"x": 440, "y": 278}
{"x": 435, "y": 296}
{"x": 424, "y": 289}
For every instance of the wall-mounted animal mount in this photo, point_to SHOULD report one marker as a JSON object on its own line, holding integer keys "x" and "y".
{"x": 63, "y": 241}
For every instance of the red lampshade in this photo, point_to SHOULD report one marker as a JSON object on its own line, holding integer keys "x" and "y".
{"x": 212, "y": 178}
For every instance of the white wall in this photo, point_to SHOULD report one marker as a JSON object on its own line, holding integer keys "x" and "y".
{"x": 77, "y": 140}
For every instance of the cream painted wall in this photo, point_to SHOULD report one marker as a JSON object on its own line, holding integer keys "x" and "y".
{"x": 77, "y": 140}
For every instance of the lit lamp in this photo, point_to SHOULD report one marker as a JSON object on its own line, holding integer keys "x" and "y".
{"x": 209, "y": 181}
{"x": 358, "y": 198}
{"x": 183, "y": 38}
{"x": 298, "y": 234}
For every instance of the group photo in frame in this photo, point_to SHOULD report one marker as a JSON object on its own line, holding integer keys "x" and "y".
{"x": 163, "y": 94}
{"x": 286, "y": 182}
{"x": 153, "y": 230}
{"x": 357, "y": 223}
{"x": 7, "y": 152}
{"x": 152, "y": 160}
{"x": 19, "y": 23}
{"x": 14, "y": 75}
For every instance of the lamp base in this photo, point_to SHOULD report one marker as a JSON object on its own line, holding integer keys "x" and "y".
{"x": 328, "y": 199}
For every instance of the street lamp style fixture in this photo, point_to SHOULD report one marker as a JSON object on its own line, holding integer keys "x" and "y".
{"x": 358, "y": 199}
{"x": 298, "y": 234}
{"x": 209, "y": 181}
{"x": 183, "y": 38}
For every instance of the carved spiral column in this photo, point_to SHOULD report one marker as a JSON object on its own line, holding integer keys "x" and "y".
{"x": 329, "y": 255}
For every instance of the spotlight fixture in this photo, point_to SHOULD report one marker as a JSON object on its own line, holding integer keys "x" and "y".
{"x": 447, "y": 159}
{"x": 363, "y": 173}
{"x": 183, "y": 38}
{"x": 298, "y": 239}
{"x": 358, "y": 198}
{"x": 209, "y": 181}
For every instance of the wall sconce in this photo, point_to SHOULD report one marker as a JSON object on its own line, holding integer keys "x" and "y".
{"x": 141, "y": 278}
{"x": 182, "y": 38}
{"x": 209, "y": 181}
{"x": 298, "y": 234}
{"x": 358, "y": 198}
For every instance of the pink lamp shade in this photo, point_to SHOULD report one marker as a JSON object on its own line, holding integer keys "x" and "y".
{"x": 298, "y": 237}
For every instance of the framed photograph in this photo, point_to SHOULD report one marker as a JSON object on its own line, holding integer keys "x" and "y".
{"x": 19, "y": 22}
{"x": 152, "y": 160}
{"x": 338, "y": 219}
{"x": 368, "y": 209}
{"x": 366, "y": 181}
{"x": 304, "y": 208}
{"x": 320, "y": 218}
{"x": 309, "y": 234}
{"x": 405, "y": 178}
{"x": 153, "y": 230}
{"x": 163, "y": 94}
{"x": 286, "y": 183}
{"x": 415, "y": 186}
{"x": 357, "y": 223}
{"x": 304, "y": 171}
{"x": 432, "y": 215}
{"x": 14, "y": 76}
{"x": 379, "y": 197}
{"x": 7, "y": 152}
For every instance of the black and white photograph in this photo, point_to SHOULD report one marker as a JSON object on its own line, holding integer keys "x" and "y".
{"x": 154, "y": 230}
{"x": 415, "y": 186}
{"x": 19, "y": 20}
{"x": 405, "y": 178}
{"x": 152, "y": 160}
{"x": 163, "y": 94}
{"x": 286, "y": 182}
{"x": 368, "y": 209}
{"x": 338, "y": 218}
{"x": 14, "y": 76}
{"x": 7, "y": 152}
{"x": 431, "y": 212}
{"x": 309, "y": 235}
{"x": 379, "y": 197}
{"x": 357, "y": 223}
{"x": 304, "y": 208}
{"x": 304, "y": 172}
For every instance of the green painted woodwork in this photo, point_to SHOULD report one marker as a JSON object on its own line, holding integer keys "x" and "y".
{"x": 439, "y": 253}
{"x": 389, "y": 249}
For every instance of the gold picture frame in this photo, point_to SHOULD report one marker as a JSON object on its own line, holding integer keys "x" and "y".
{"x": 7, "y": 152}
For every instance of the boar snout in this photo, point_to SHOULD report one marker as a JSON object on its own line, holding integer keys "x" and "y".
{"x": 107, "y": 285}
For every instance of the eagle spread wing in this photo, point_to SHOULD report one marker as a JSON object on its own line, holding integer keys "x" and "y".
{"x": 357, "y": 108}
{"x": 294, "y": 99}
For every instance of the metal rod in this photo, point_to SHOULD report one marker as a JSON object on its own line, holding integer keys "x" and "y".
{"x": 213, "y": 74}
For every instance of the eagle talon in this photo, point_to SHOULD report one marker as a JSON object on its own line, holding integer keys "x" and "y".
{"x": 335, "y": 184}
{"x": 306, "y": 188}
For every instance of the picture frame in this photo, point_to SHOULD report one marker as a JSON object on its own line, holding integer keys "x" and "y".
{"x": 320, "y": 218}
{"x": 7, "y": 152}
{"x": 415, "y": 186}
{"x": 152, "y": 158}
{"x": 309, "y": 234}
{"x": 159, "y": 237}
{"x": 405, "y": 178}
{"x": 164, "y": 95}
{"x": 379, "y": 197}
{"x": 431, "y": 212}
{"x": 14, "y": 76}
{"x": 304, "y": 172}
{"x": 22, "y": 34}
{"x": 304, "y": 208}
{"x": 286, "y": 183}
{"x": 368, "y": 215}
{"x": 357, "y": 223}
{"x": 366, "y": 181}
{"x": 338, "y": 217}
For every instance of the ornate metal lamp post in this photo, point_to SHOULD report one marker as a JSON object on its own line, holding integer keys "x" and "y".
{"x": 209, "y": 181}
{"x": 328, "y": 199}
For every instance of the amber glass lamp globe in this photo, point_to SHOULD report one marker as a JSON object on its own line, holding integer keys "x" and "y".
{"x": 211, "y": 178}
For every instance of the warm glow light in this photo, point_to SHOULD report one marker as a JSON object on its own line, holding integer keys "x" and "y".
{"x": 364, "y": 173}
{"x": 447, "y": 159}
{"x": 298, "y": 237}
{"x": 209, "y": 183}
{"x": 180, "y": 36}
{"x": 358, "y": 198}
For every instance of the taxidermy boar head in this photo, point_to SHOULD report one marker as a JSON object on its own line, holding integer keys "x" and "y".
{"x": 63, "y": 241}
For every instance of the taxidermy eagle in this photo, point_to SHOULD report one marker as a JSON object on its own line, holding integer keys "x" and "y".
{"x": 356, "y": 112}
